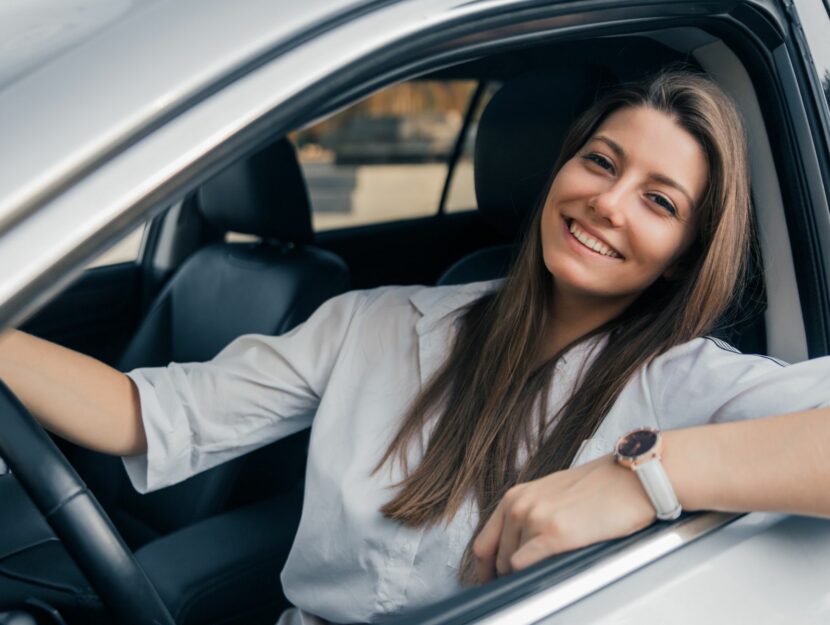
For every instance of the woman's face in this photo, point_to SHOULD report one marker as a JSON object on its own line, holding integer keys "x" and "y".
{"x": 621, "y": 212}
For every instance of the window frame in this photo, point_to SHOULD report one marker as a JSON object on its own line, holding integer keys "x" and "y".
{"x": 450, "y": 163}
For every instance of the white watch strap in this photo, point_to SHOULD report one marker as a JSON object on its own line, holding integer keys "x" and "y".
{"x": 659, "y": 489}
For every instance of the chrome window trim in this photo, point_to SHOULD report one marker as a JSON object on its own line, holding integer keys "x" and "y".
{"x": 615, "y": 566}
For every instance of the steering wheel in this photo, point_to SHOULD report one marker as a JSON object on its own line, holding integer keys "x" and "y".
{"x": 77, "y": 518}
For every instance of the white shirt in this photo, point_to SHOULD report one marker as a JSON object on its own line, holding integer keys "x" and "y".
{"x": 353, "y": 369}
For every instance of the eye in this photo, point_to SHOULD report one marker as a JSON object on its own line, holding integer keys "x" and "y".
{"x": 600, "y": 160}
{"x": 663, "y": 202}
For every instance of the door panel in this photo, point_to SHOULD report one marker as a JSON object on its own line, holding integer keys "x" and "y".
{"x": 96, "y": 315}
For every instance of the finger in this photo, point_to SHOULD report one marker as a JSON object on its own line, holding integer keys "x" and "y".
{"x": 510, "y": 539}
{"x": 535, "y": 550}
{"x": 485, "y": 546}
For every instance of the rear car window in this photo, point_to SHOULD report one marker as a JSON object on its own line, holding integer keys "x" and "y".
{"x": 386, "y": 157}
{"x": 461, "y": 195}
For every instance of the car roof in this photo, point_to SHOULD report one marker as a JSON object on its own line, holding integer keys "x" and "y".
{"x": 37, "y": 33}
{"x": 116, "y": 67}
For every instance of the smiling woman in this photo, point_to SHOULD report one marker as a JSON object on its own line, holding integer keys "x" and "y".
{"x": 464, "y": 432}
{"x": 618, "y": 186}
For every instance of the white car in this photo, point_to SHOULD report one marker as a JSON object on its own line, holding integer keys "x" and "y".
{"x": 153, "y": 207}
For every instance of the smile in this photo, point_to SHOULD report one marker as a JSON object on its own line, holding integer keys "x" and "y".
{"x": 589, "y": 242}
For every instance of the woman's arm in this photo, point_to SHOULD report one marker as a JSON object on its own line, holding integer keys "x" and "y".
{"x": 777, "y": 463}
{"x": 74, "y": 396}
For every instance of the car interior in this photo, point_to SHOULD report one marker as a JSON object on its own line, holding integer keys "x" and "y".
{"x": 214, "y": 544}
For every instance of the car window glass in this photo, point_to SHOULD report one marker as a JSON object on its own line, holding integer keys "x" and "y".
{"x": 462, "y": 194}
{"x": 124, "y": 251}
{"x": 384, "y": 158}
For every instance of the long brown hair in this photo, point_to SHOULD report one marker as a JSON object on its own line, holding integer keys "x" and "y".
{"x": 490, "y": 394}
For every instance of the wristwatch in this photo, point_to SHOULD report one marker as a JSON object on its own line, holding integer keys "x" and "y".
{"x": 639, "y": 450}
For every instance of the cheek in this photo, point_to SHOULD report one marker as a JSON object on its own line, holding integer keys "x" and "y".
{"x": 659, "y": 246}
{"x": 574, "y": 181}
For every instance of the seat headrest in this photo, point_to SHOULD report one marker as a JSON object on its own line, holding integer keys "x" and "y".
{"x": 263, "y": 194}
{"x": 519, "y": 137}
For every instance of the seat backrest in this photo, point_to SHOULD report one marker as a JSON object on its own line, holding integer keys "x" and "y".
{"x": 221, "y": 292}
{"x": 228, "y": 289}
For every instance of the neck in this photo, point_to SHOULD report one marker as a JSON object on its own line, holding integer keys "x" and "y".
{"x": 574, "y": 315}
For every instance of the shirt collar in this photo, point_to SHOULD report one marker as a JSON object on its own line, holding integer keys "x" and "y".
{"x": 435, "y": 303}
{"x": 434, "y": 332}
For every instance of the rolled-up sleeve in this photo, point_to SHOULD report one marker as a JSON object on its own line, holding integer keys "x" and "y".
{"x": 707, "y": 381}
{"x": 255, "y": 391}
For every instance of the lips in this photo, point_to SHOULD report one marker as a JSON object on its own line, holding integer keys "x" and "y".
{"x": 590, "y": 240}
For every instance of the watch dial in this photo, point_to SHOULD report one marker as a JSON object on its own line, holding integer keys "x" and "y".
{"x": 637, "y": 443}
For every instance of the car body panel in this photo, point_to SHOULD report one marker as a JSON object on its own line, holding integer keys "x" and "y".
{"x": 154, "y": 74}
{"x": 764, "y": 569}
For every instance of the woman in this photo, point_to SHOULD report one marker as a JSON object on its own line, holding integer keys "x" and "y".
{"x": 445, "y": 419}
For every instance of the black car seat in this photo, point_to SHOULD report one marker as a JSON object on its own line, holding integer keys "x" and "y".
{"x": 518, "y": 140}
{"x": 222, "y": 291}
{"x": 519, "y": 137}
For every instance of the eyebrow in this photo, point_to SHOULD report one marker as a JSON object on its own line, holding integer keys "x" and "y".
{"x": 620, "y": 153}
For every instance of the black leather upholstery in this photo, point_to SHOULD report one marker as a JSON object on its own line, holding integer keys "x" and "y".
{"x": 229, "y": 289}
{"x": 223, "y": 291}
{"x": 490, "y": 262}
{"x": 264, "y": 195}
{"x": 224, "y": 569}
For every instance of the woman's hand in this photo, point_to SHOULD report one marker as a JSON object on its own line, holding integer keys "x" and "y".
{"x": 566, "y": 510}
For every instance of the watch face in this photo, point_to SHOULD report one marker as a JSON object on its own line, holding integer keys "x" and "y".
{"x": 637, "y": 443}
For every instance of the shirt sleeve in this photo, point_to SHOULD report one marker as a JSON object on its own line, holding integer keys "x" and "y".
{"x": 708, "y": 381}
{"x": 257, "y": 390}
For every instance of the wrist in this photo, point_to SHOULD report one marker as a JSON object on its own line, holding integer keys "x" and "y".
{"x": 641, "y": 451}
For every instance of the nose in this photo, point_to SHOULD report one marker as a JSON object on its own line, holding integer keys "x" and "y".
{"x": 609, "y": 204}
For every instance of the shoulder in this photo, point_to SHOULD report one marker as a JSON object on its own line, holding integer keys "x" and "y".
{"x": 708, "y": 354}
{"x": 707, "y": 380}
{"x": 690, "y": 382}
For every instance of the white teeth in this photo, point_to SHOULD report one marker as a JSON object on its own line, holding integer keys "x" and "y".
{"x": 590, "y": 242}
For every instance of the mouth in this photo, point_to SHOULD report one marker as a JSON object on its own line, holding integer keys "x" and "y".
{"x": 588, "y": 242}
